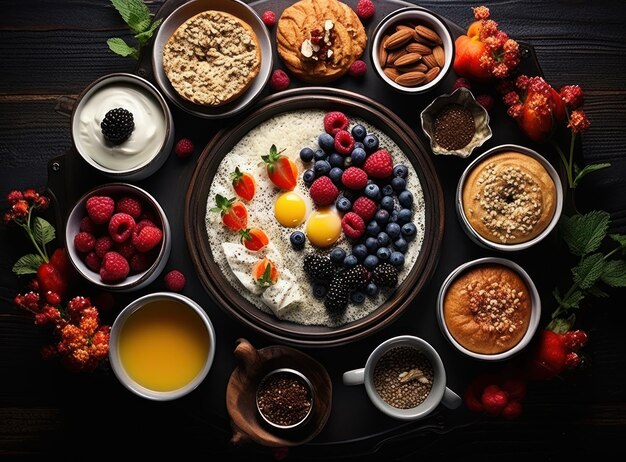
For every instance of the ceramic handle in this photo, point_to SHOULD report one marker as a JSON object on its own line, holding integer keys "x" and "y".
{"x": 354, "y": 377}
{"x": 450, "y": 399}
{"x": 65, "y": 105}
{"x": 248, "y": 357}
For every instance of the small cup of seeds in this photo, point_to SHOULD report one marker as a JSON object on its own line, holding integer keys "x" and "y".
{"x": 284, "y": 399}
{"x": 404, "y": 377}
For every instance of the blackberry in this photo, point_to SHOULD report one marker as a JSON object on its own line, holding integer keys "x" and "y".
{"x": 117, "y": 125}
{"x": 318, "y": 268}
{"x": 354, "y": 277}
{"x": 385, "y": 275}
{"x": 337, "y": 296}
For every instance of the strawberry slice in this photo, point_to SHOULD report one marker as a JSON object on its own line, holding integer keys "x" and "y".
{"x": 280, "y": 169}
{"x": 244, "y": 184}
{"x": 265, "y": 273}
{"x": 254, "y": 238}
{"x": 234, "y": 213}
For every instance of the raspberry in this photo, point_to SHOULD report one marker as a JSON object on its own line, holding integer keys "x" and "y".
{"x": 175, "y": 281}
{"x": 343, "y": 142}
{"x": 87, "y": 225}
{"x": 485, "y": 101}
{"x": 147, "y": 239}
{"x": 572, "y": 360}
{"x": 140, "y": 262}
{"x": 323, "y": 191}
{"x": 575, "y": 339}
{"x": 494, "y": 400}
{"x": 365, "y": 208}
{"x": 354, "y": 178}
{"x": 126, "y": 249}
{"x": 379, "y": 164}
{"x": 93, "y": 261}
{"x": 103, "y": 245}
{"x": 121, "y": 226}
{"x": 512, "y": 410}
{"x": 365, "y": 9}
{"x": 184, "y": 148}
{"x": 335, "y": 121}
{"x": 84, "y": 242}
{"x": 358, "y": 68}
{"x": 353, "y": 225}
{"x": 53, "y": 298}
{"x": 114, "y": 267}
{"x": 269, "y": 18}
{"x": 129, "y": 205}
{"x": 461, "y": 83}
{"x": 515, "y": 388}
{"x": 100, "y": 209}
{"x": 280, "y": 80}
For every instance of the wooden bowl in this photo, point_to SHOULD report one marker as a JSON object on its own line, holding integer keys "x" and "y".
{"x": 229, "y": 299}
{"x": 241, "y": 391}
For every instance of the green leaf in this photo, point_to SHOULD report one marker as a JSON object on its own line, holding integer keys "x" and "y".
{"x": 584, "y": 233}
{"x": 144, "y": 37}
{"x": 119, "y": 46}
{"x": 621, "y": 240}
{"x": 589, "y": 270}
{"x": 138, "y": 24}
{"x": 561, "y": 325}
{"x": 614, "y": 273}
{"x": 135, "y": 13}
{"x": 586, "y": 170}
{"x": 572, "y": 301}
{"x": 557, "y": 295}
{"x": 28, "y": 264}
{"x": 43, "y": 231}
{"x": 597, "y": 292}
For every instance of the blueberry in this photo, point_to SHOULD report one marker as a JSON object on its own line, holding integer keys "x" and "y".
{"x": 335, "y": 175}
{"x": 404, "y": 216}
{"x": 306, "y": 154}
{"x": 398, "y": 184}
{"x": 371, "y": 143}
{"x": 372, "y": 244}
{"x": 321, "y": 167}
{"x": 319, "y": 290}
{"x": 409, "y": 230}
{"x": 373, "y": 228}
{"x": 297, "y": 240}
{"x": 393, "y": 229}
{"x": 359, "y": 145}
{"x": 359, "y": 251}
{"x": 371, "y": 289}
{"x": 383, "y": 253}
{"x": 393, "y": 216}
{"x": 401, "y": 245}
{"x": 371, "y": 262}
{"x": 387, "y": 190}
{"x": 383, "y": 239}
{"x": 343, "y": 204}
{"x": 406, "y": 199}
{"x": 372, "y": 191}
{"x": 337, "y": 255}
{"x": 350, "y": 261}
{"x": 386, "y": 202}
{"x": 382, "y": 217}
{"x": 401, "y": 171}
{"x": 357, "y": 297}
{"x": 358, "y": 132}
{"x": 308, "y": 177}
{"x": 336, "y": 160}
{"x": 320, "y": 155}
{"x": 326, "y": 142}
{"x": 358, "y": 156}
{"x": 396, "y": 259}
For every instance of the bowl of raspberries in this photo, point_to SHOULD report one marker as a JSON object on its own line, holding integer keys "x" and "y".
{"x": 118, "y": 237}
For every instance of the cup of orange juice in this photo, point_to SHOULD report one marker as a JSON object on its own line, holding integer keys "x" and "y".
{"x": 162, "y": 346}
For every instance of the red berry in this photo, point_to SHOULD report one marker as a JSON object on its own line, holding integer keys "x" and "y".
{"x": 280, "y": 80}
{"x": 515, "y": 388}
{"x": 365, "y": 9}
{"x": 103, "y": 245}
{"x": 494, "y": 400}
{"x": 353, "y": 225}
{"x": 549, "y": 356}
{"x": 335, "y": 121}
{"x": 87, "y": 225}
{"x": 175, "y": 281}
{"x": 512, "y": 410}
{"x": 51, "y": 279}
{"x": 93, "y": 261}
{"x": 343, "y": 142}
{"x": 129, "y": 205}
{"x": 84, "y": 242}
{"x": 147, "y": 239}
{"x": 53, "y": 298}
{"x": 184, "y": 148}
{"x": 121, "y": 227}
{"x": 461, "y": 83}
{"x": 486, "y": 101}
{"x": 126, "y": 249}
{"x": 365, "y": 208}
{"x": 323, "y": 191}
{"x": 269, "y": 18}
{"x": 114, "y": 267}
{"x": 379, "y": 164}
{"x": 575, "y": 339}
{"x": 358, "y": 68}
{"x": 100, "y": 209}
{"x": 354, "y": 178}
{"x": 572, "y": 360}
{"x": 61, "y": 261}
{"x": 140, "y": 262}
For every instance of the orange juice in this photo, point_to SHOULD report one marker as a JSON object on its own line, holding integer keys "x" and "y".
{"x": 163, "y": 345}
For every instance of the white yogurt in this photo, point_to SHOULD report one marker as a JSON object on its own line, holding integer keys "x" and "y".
{"x": 145, "y": 141}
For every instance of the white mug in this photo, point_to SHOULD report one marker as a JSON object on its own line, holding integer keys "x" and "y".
{"x": 439, "y": 393}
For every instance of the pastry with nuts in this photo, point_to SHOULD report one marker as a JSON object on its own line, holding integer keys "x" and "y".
{"x": 318, "y": 40}
{"x": 212, "y": 58}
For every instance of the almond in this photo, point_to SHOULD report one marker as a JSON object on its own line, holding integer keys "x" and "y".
{"x": 411, "y": 79}
{"x": 418, "y": 48}
{"x": 431, "y": 74}
{"x": 439, "y": 55}
{"x": 392, "y": 73}
{"x": 382, "y": 53}
{"x": 412, "y": 29}
{"x": 407, "y": 59}
{"x": 428, "y": 34}
{"x": 395, "y": 54}
{"x": 430, "y": 61}
{"x": 397, "y": 39}
{"x": 417, "y": 67}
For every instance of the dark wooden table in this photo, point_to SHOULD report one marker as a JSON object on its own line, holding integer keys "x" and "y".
{"x": 50, "y": 49}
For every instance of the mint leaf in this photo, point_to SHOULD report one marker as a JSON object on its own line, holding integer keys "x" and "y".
{"x": 134, "y": 13}
{"x": 586, "y": 170}
{"x": 597, "y": 292}
{"x": 614, "y": 273}
{"x": 28, "y": 264}
{"x": 144, "y": 37}
{"x": 589, "y": 270}
{"x": 43, "y": 231}
{"x": 572, "y": 301}
{"x": 621, "y": 240}
{"x": 583, "y": 234}
{"x": 119, "y": 46}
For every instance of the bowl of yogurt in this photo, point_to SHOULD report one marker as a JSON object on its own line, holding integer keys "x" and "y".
{"x": 122, "y": 127}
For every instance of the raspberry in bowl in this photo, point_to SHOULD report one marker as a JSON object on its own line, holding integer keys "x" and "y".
{"x": 118, "y": 237}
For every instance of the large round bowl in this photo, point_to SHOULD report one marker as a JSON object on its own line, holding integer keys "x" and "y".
{"x": 228, "y": 298}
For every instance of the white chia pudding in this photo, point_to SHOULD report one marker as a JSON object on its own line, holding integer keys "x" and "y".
{"x": 291, "y": 298}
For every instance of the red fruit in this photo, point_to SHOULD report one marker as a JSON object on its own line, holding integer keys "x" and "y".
{"x": 486, "y": 101}
{"x": 549, "y": 356}
{"x": 121, "y": 227}
{"x": 575, "y": 339}
{"x": 512, "y": 410}
{"x": 234, "y": 213}
{"x": 323, "y": 191}
{"x": 129, "y": 205}
{"x": 53, "y": 298}
{"x": 344, "y": 142}
{"x": 379, "y": 164}
{"x": 114, "y": 267}
{"x": 254, "y": 238}
{"x": 269, "y": 18}
{"x": 494, "y": 400}
{"x": 100, "y": 209}
{"x": 175, "y": 281}
{"x": 461, "y": 82}
{"x": 93, "y": 262}
{"x": 365, "y": 208}
{"x": 126, "y": 249}
{"x": 61, "y": 261}
{"x": 472, "y": 398}
{"x": 51, "y": 279}
{"x": 515, "y": 388}
{"x": 184, "y": 148}
{"x": 147, "y": 239}
{"x": 140, "y": 262}
{"x": 572, "y": 360}
{"x": 103, "y": 245}
{"x": 84, "y": 242}
{"x": 280, "y": 80}
{"x": 244, "y": 184}
{"x": 265, "y": 273}
{"x": 353, "y": 225}
{"x": 365, "y": 9}
{"x": 280, "y": 169}
{"x": 87, "y": 225}
{"x": 335, "y": 121}
{"x": 357, "y": 69}
{"x": 354, "y": 178}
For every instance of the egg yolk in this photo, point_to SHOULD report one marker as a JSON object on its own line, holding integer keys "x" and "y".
{"x": 323, "y": 227}
{"x": 290, "y": 209}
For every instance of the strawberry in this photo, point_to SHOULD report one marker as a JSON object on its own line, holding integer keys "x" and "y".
{"x": 280, "y": 169}
{"x": 51, "y": 279}
{"x": 234, "y": 213}
{"x": 549, "y": 356}
{"x": 244, "y": 184}
{"x": 265, "y": 273}
{"x": 61, "y": 261}
{"x": 494, "y": 400}
{"x": 254, "y": 238}
{"x": 323, "y": 191}
{"x": 379, "y": 164}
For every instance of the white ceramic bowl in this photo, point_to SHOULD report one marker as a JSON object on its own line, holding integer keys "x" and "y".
{"x": 413, "y": 15}
{"x": 133, "y": 281}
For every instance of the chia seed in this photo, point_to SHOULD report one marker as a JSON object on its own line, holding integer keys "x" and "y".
{"x": 284, "y": 399}
{"x": 454, "y": 127}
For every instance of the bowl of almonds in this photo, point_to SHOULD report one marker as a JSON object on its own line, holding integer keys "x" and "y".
{"x": 412, "y": 50}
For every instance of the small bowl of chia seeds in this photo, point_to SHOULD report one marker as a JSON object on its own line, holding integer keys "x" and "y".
{"x": 456, "y": 124}
{"x": 284, "y": 399}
